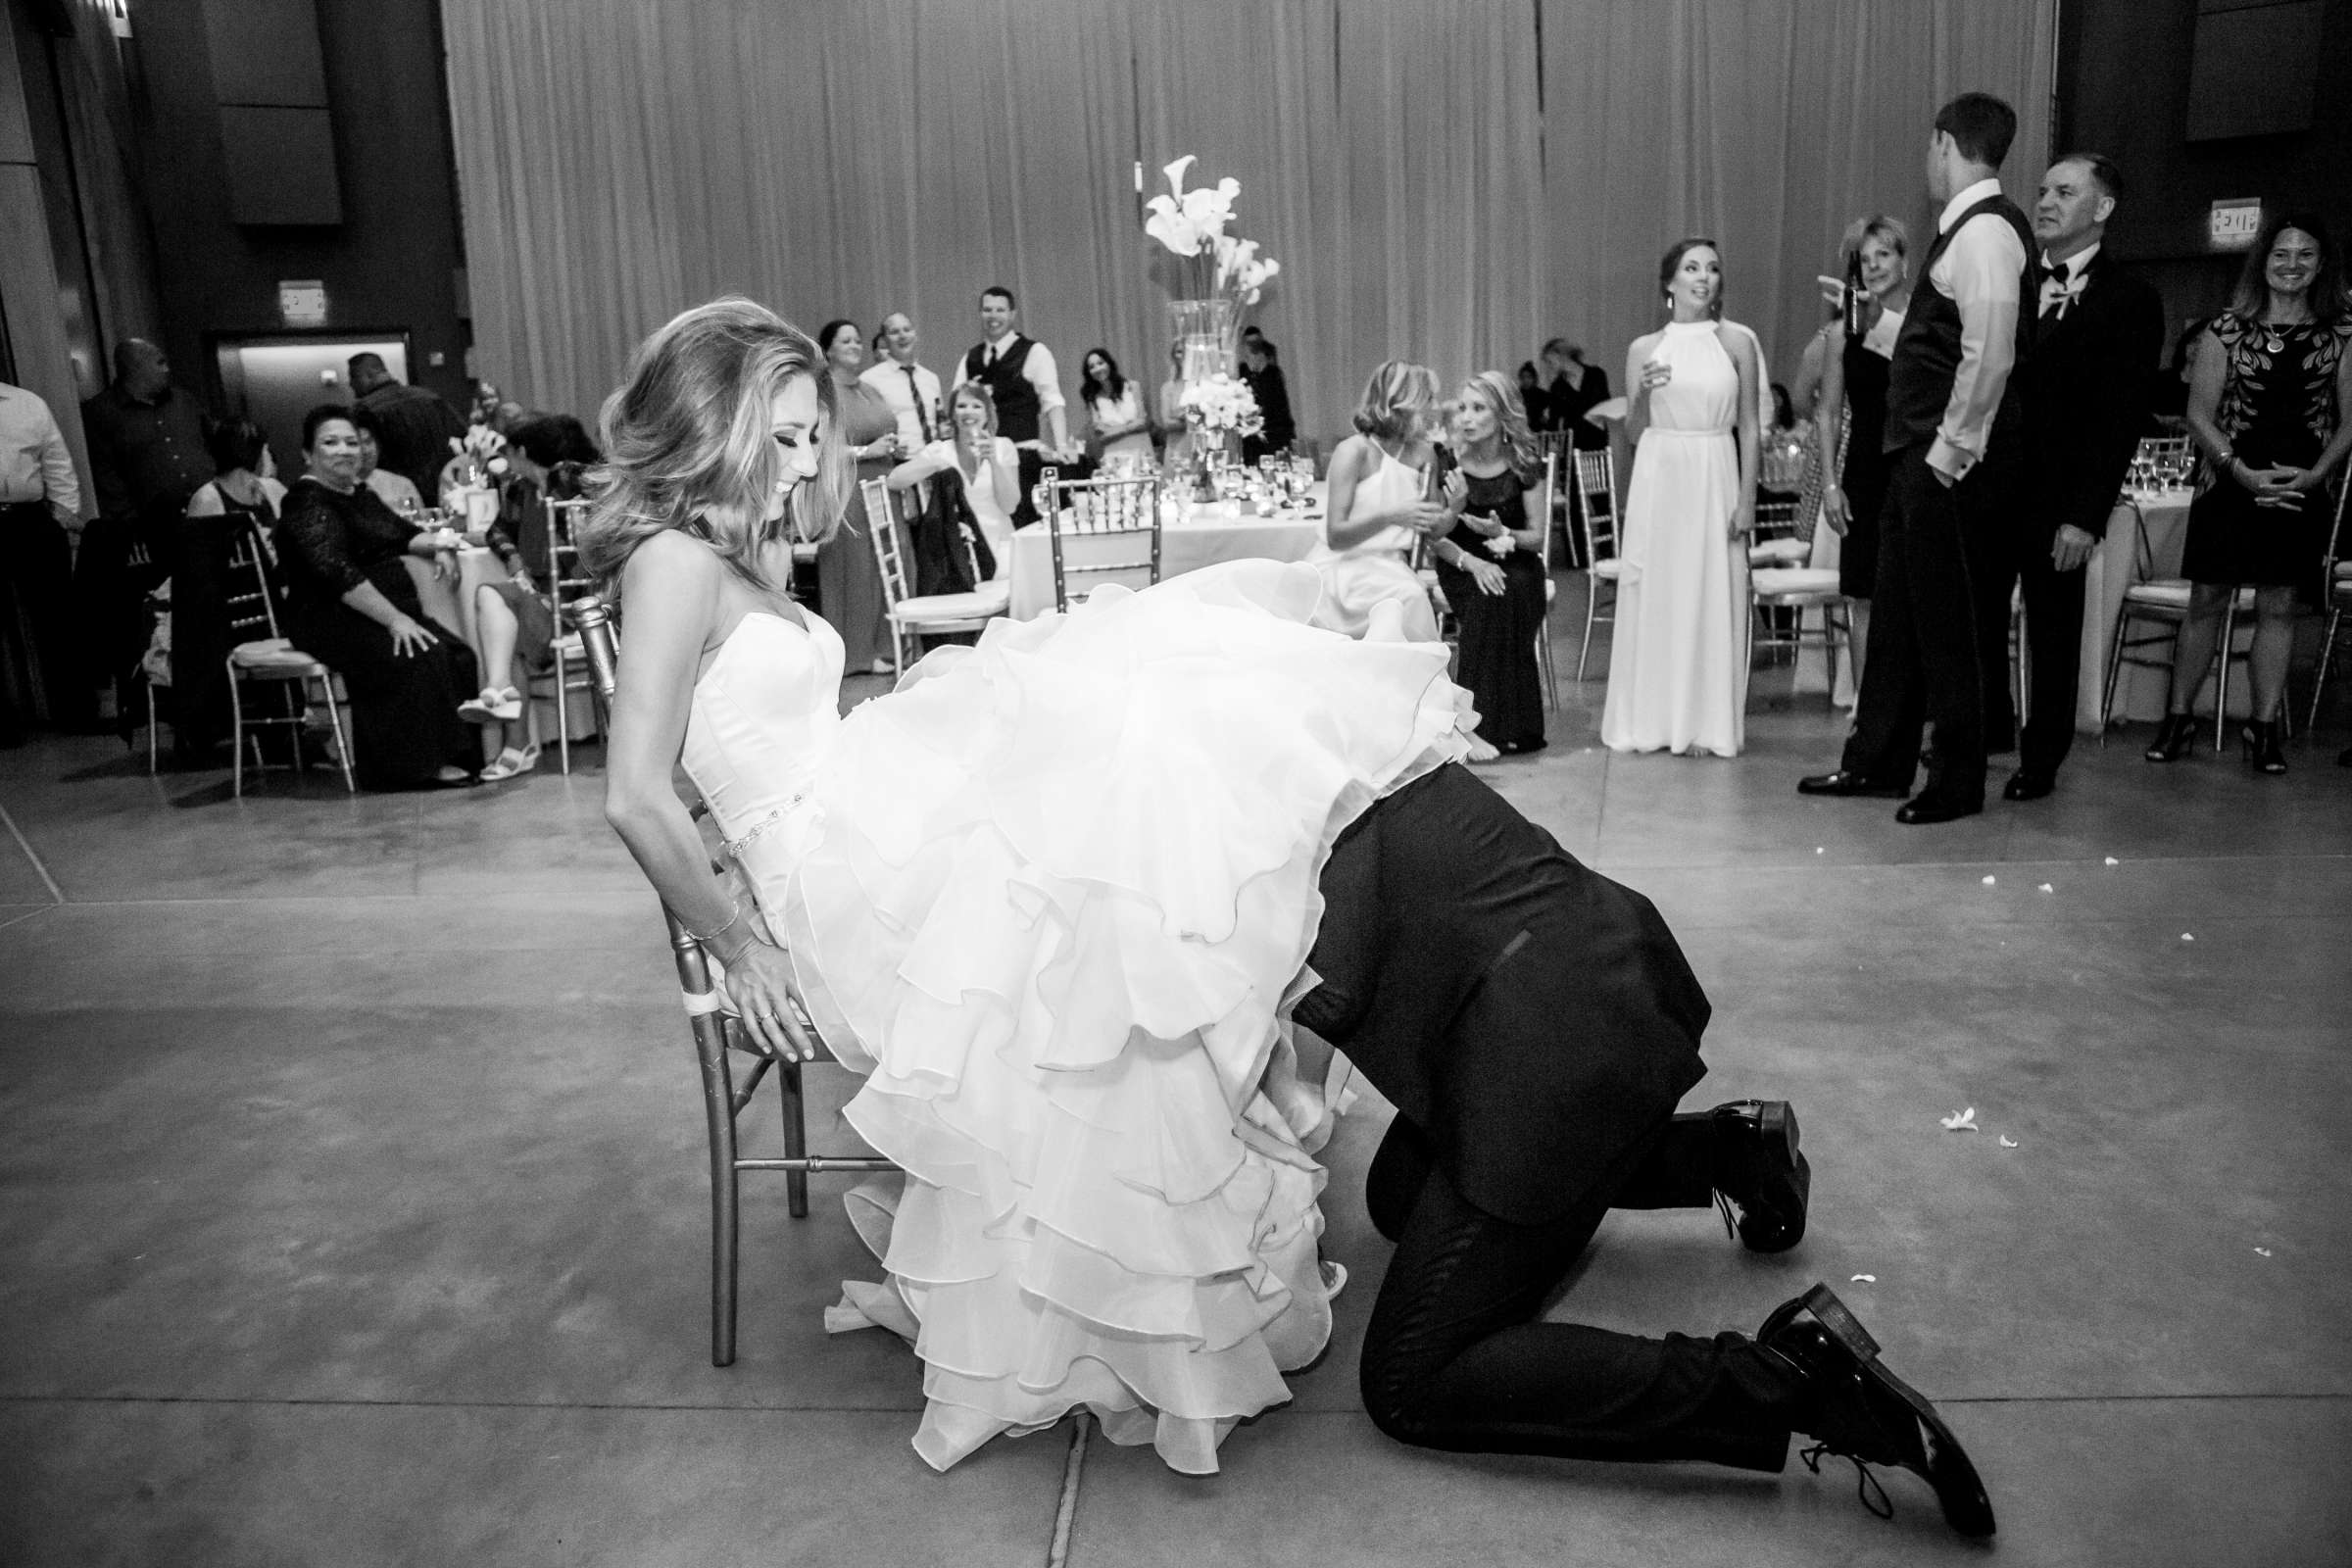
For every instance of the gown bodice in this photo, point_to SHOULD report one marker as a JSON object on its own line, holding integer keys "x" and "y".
{"x": 1391, "y": 487}
{"x": 760, "y": 734}
{"x": 1702, "y": 397}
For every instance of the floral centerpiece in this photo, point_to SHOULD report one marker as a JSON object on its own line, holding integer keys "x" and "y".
{"x": 1222, "y": 276}
{"x": 470, "y": 484}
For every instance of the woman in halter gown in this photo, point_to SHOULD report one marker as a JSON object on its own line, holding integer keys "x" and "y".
{"x": 1381, "y": 507}
{"x": 1054, "y": 940}
{"x": 1678, "y": 656}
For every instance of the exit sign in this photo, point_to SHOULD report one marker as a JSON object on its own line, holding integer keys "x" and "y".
{"x": 302, "y": 303}
{"x": 2233, "y": 224}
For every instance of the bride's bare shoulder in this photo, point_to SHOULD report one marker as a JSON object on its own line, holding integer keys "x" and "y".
{"x": 672, "y": 567}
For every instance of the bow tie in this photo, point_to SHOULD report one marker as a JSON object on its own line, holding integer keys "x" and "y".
{"x": 2060, "y": 290}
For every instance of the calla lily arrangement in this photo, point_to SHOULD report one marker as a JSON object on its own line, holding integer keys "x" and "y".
{"x": 1192, "y": 224}
{"x": 1222, "y": 404}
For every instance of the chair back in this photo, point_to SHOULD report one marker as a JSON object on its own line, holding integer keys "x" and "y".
{"x": 1547, "y": 488}
{"x": 252, "y": 606}
{"x": 1776, "y": 518}
{"x": 1596, "y": 488}
{"x": 1096, "y": 509}
{"x": 890, "y": 550}
{"x": 565, "y": 583}
{"x": 2342, "y": 486}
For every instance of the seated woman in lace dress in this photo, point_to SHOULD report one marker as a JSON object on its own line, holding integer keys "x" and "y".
{"x": 352, "y": 605}
{"x": 1048, "y": 896}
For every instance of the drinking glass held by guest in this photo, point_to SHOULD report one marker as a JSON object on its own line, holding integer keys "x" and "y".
{"x": 1678, "y": 656}
{"x": 2268, "y": 405}
{"x": 849, "y": 580}
{"x": 1381, "y": 507}
{"x": 1118, "y": 424}
{"x": 1851, "y": 419}
{"x": 1491, "y": 566}
{"x": 352, "y": 605}
{"x": 241, "y": 503}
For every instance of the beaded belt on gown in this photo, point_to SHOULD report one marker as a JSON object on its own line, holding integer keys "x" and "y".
{"x": 736, "y": 846}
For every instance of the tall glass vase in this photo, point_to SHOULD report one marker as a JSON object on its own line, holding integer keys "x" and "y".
{"x": 1208, "y": 335}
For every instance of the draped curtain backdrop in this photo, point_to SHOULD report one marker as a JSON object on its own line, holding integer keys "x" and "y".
{"x": 1447, "y": 181}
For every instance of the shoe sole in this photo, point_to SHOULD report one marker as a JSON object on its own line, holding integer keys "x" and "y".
{"x": 1971, "y": 1513}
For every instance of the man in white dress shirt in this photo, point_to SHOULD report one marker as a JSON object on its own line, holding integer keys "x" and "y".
{"x": 40, "y": 513}
{"x": 912, "y": 390}
{"x": 1957, "y": 452}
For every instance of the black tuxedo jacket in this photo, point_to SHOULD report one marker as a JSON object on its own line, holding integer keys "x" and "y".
{"x": 1535, "y": 1020}
{"x": 2085, "y": 390}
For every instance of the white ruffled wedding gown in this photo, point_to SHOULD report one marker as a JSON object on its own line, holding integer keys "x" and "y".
{"x": 1049, "y": 896}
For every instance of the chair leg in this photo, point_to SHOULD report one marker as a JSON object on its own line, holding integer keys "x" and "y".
{"x": 2318, "y": 679}
{"x": 562, "y": 711}
{"x": 334, "y": 719}
{"x": 236, "y": 734}
{"x": 2115, "y": 670}
{"x": 2220, "y": 680}
{"x": 151, "y": 747}
{"x": 719, "y": 1109}
{"x": 1592, "y": 607}
{"x": 796, "y": 1137}
{"x": 1552, "y": 674}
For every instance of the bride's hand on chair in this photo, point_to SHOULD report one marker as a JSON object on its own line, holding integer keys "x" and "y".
{"x": 760, "y": 985}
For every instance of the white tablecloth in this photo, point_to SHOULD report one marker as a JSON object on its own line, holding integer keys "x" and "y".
{"x": 2140, "y": 692}
{"x": 1202, "y": 537}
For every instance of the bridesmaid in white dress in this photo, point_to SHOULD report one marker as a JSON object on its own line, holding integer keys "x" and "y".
{"x": 1380, "y": 506}
{"x": 1678, "y": 660}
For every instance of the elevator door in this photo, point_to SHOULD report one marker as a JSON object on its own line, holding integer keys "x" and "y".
{"x": 274, "y": 381}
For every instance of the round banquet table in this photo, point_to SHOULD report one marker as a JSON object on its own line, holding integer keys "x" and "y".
{"x": 1196, "y": 536}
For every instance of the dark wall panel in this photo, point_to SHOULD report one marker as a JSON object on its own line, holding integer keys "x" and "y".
{"x": 388, "y": 264}
{"x": 2125, "y": 71}
{"x": 280, "y": 163}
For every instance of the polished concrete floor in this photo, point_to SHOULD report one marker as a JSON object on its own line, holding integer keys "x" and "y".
{"x": 355, "y": 1209}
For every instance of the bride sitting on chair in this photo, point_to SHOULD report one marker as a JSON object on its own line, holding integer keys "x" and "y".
{"x": 1052, "y": 937}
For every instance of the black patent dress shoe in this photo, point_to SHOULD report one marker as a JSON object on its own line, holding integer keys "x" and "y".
{"x": 1853, "y": 1407}
{"x": 1763, "y": 1185}
{"x": 2028, "y": 786}
{"x": 1850, "y": 786}
{"x": 1927, "y": 807}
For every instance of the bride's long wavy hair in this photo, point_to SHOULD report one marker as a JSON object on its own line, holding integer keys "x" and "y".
{"x": 689, "y": 445}
{"x": 1518, "y": 444}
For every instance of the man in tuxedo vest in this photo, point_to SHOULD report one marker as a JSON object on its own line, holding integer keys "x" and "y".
{"x": 2099, "y": 334}
{"x": 1019, "y": 373}
{"x": 1955, "y": 438}
{"x": 1535, "y": 1025}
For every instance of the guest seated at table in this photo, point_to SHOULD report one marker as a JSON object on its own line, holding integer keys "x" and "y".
{"x": 1119, "y": 426}
{"x": 2271, "y": 403}
{"x": 1491, "y": 566}
{"x": 982, "y": 461}
{"x": 399, "y": 492}
{"x": 1380, "y": 508}
{"x": 352, "y": 605}
{"x": 514, "y": 624}
{"x": 240, "y": 502}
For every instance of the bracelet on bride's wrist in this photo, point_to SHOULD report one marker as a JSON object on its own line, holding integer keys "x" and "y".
{"x": 733, "y": 919}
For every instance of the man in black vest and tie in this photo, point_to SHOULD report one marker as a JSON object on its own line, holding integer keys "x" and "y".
{"x": 1019, "y": 373}
{"x": 1535, "y": 1025}
{"x": 1959, "y": 458}
{"x": 2084, "y": 396}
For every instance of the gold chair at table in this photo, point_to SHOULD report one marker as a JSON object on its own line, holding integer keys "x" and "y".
{"x": 912, "y": 616}
{"x": 2162, "y": 602}
{"x": 1781, "y": 589}
{"x": 1097, "y": 509}
{"x": 716, "y": 1037}
{"x": 1596, "y": 496}
{"x": 272, "y": 657}
{"x": 566, "y": 586}
{"x": 2335, "y": 596}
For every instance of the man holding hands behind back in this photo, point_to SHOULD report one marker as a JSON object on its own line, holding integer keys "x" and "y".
{"x": 2096, "y": 342}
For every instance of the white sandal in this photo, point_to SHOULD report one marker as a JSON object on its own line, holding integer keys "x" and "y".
{"x": 511, "y": 764}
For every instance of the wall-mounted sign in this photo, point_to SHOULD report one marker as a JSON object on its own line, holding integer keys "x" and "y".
{"x": 2233, "y": 224}
{"x": 302, "y": 302}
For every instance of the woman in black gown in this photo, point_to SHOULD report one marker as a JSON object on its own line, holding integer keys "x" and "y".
{"x": 1491, "y": 565}
{"x": 351, "y": 604}
{"x": 2267, "y": 403}
{"x": 1851, "y": 416}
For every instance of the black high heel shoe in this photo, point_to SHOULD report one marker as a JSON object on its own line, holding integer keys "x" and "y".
{"x": 2175, "y": 739}
{"x": 2259, "y": 743}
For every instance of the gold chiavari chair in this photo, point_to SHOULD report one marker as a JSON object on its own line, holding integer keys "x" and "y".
{"x": 2335, "y": 596}
{"x": 718, "y": 1040}
{"x": 916, "y": 617}
{"x": 1096, "y": 509}
{"x": 2162, "y": 603}
{"x": 1596, "y": 496}
{"x": 566, "y": 586}
{"x": 272, "y": 657}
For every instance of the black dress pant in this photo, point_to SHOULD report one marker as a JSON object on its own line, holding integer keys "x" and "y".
{"x": 1929, "y": 625}
{"x": 49, "y": 667}
{"x": 1457, "y": 1356}
{"x": 2053, "y": 636}
{"x": 403, "y": 708}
